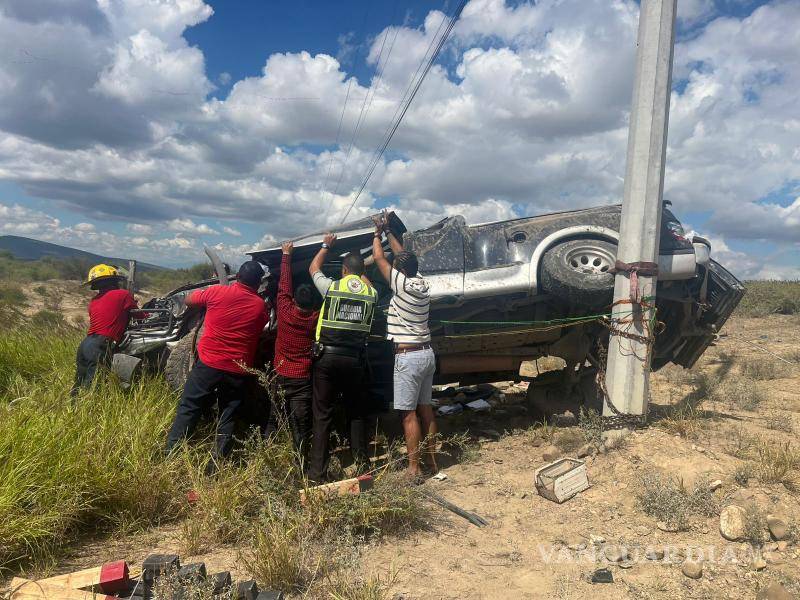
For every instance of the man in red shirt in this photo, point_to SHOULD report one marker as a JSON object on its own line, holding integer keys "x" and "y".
{"x": 109, "y": 312}
{"x": 235, "y": 319}
{"x": 297, "y": 321}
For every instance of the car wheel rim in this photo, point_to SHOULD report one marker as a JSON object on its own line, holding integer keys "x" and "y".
{"x": 589, "y": 259}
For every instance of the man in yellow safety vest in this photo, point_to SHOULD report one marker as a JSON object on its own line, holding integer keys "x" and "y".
{"x": 340, "y": 355}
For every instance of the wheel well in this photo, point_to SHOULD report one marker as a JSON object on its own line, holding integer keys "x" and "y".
{"x": 582, "y": 232}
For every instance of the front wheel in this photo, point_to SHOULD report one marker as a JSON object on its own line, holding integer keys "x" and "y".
{"x": 181, "y": 360}
{"x": 577, "y": 272}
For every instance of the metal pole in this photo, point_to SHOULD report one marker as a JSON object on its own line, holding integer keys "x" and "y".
{"x": 131, "y": 275}
{"x": 628, "y": 367}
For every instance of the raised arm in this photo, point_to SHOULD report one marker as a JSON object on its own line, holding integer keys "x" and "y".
{"x": 395, "y": 244}
{"x": 285, "y": 285}
{"x": 378, "y": 255}
{"x": 319, "y": 260}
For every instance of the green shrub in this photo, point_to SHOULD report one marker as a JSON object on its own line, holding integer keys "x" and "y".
{"x": 770, "y": 297}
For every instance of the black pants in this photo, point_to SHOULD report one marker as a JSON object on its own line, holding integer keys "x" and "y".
{"x": 93, "y": 352}
{"x": 205, "y": 387}
{"x": 291, "y": 406}
{"x": 336, "y": 375}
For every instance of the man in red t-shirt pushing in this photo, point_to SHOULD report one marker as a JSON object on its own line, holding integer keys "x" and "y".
{"x": 235, "y": 319}
{"x": 109, "y": 312}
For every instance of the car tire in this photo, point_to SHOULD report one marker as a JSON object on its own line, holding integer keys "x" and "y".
{"x": 577, "y": 272}
{"x": 181, "y": 360}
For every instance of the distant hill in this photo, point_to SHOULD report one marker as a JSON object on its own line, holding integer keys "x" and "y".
{"x": 23, "y": 248}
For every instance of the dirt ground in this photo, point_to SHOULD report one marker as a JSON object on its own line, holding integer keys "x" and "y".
{"x": 534, "y": 548}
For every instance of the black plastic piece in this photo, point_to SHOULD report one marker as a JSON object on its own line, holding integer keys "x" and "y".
{"x": 247, "y": 590}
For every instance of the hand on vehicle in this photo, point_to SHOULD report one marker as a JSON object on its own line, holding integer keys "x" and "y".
{"x": 329, "y": 239}
{"x": 287, "y": 247}
{"x": 379, "y": 224}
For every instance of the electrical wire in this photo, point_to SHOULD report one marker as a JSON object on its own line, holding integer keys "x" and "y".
{"x": 393, "y": 128}
{"x": 362, "y": 116}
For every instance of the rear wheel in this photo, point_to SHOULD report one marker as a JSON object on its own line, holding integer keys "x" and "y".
{"x": 181, "y": 360}
{"x": 577, "y": 272}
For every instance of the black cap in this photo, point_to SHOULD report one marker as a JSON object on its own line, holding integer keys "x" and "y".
{"x": 251, "y": 273}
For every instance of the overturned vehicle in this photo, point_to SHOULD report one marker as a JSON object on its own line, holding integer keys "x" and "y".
{"x": 501, "y": 294}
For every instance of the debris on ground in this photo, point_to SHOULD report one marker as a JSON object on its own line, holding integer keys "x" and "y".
{"x": 561, "y": 480}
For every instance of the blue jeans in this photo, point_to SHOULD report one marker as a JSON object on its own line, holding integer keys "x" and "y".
{"x": 413, "y": 378}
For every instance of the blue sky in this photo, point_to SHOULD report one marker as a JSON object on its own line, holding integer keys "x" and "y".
{"x": 152, "y": 129}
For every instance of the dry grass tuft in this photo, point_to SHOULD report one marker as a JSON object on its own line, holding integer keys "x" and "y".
{"x": 765, "y": 369}
{"x": 777, "y": 463}
{"x": 779, "y": 422}
{"x": 666, "y": 499}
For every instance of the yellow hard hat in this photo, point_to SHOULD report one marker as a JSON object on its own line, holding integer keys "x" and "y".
{"x": 99, "y": 272}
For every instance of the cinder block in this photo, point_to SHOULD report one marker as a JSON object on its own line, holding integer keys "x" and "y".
{"x": 271, "y": 595}
{"x": 222, "y": 581}
{"x": 192, "y": 572}
{"x": 159, "y": 564}
{"x": 247, "y": 590}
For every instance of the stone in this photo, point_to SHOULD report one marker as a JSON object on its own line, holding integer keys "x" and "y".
{"x": 715, "y": 485}
{"x": 536, "y": 442}
{"x": 774, "y": 591}
{"x": 654, "y": 554}
{"x": 759, "y": 564}
{"x": 615, "y": 554}
{"x": 692, "y": 569}
{"x": 565, "y": 419}
{"x": 668, "y": 527}
{"x": 596, "y": 539}
{"x": 641, "y": 530}
{"x": 585, "y": 450}
{"x": 777, "y": 527}
{"x": 782, "y": 546}
{"x": 733, "y": 522}
{"x": 551, "y": 453}
{"x": 773, "y": 558}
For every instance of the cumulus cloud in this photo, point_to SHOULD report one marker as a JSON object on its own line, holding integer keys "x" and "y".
{"x": 104, "y": 109}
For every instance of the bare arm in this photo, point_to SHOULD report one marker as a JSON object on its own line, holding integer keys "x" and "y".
{"x": 380, "y": 257}
{"x": 395, "y": 244}
{"x": 319, "y": 259}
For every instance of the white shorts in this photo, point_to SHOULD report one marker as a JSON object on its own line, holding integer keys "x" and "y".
{"x": 413, "y": 378}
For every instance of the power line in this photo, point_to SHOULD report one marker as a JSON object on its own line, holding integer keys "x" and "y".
{"x": 362, "y": 116}
{"x": 407, "y": 104}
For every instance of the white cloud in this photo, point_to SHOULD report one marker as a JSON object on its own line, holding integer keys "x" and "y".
{"x": 190, "y": 227}
{"x": 139, "y": 228}
{"x": 232, "y": 231}
{"x": 104, "y": 111}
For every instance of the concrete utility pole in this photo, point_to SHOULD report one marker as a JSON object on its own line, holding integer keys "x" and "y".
{"x": 628, "y": 366}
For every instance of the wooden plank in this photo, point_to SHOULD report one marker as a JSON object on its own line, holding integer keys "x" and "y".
{"x": 25, "y": 589}
{"x": 110, "y": 578}
{"x": 345, "y": 487}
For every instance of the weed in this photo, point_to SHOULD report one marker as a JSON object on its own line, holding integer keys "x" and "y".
{"x": 591, "y": 424}
{"x": 742, "y": 474}
{"x": 371, "y": 588}
{"x": 770, "y": 297}
{"x": 569, "y": 440}
{"x": 755, "y": 526}
{"x": 779, "y": 422}
{"x": 764, "y": 369}
{"x": 12, "y": 295}
{"x": 742, "y": 392}
{"x": 777, "y": 463}
{"x": 666, "y": 499}
{"x": 738, "y": 442}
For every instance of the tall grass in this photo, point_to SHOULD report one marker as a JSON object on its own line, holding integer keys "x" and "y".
{"x": 67, "y": 464}
{"x": 770, "y": 297}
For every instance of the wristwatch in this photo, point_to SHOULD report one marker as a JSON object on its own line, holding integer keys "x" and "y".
{"x": 324, "y": 245}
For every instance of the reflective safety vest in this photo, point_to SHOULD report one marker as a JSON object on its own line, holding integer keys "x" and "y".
{"x": 346, "y": 315}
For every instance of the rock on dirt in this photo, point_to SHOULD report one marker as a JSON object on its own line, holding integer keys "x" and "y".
{"x": 759, "y": 564}
{"x": 615, "y": 554}
{"x": 777, "y": 527}
{"x": 733, "y": 522}
{"x": 692, "y": 569}
{"x": 774, "y": 591}
{"x": 586, "y": 450}
{"x": 715, "y": 485}
{"x": 654, "y": 554}
{"x": 551, "y": 453}
{"x": 668, "y": 527}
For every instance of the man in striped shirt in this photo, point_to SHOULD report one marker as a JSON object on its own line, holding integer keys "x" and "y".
{"x": 414, "y": 361}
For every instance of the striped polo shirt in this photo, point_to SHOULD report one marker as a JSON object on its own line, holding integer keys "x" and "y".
{"x": 407, "y": 318}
